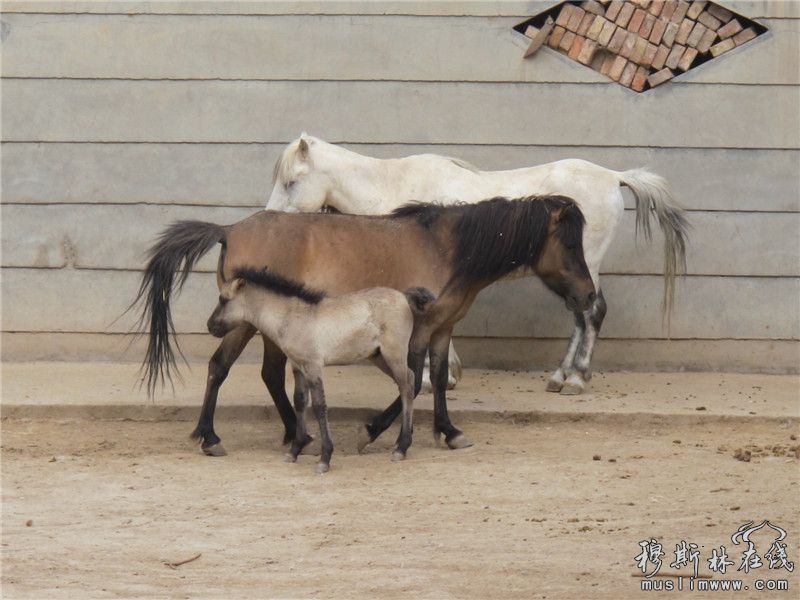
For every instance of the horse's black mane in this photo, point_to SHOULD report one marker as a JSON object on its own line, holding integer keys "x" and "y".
{"x": 497, "y": 236}
{"x": 279, "y": 285}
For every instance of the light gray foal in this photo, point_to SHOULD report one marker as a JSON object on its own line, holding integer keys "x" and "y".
{"x": 314, "y": 330}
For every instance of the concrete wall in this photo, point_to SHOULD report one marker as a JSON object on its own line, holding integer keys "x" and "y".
{"x": 121, "y": 117}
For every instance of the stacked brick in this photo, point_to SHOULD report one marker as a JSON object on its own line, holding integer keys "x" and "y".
{"x": 642, "y": 43}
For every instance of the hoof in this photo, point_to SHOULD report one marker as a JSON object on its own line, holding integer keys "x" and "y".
{"x": 571, "y": 389}
{"x": 215, "y": 450}
{"x": 289, "y": 458}
{"x": 459, "y": 442}
{"x": 451, "y": 383}
{"x": 363, "y": 439}
{"x": 426, "y": 388}
{"x": 398, "y": 455}
{"x": 554, "y": 385}
{"x": 323, "y": 468}
{"x": 556, "y": 381}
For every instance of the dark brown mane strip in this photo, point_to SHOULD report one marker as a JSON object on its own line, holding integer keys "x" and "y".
{"x": 280, "y": 285}
{"x": 497, "y": 236}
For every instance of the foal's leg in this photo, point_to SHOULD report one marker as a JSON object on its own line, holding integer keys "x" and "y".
{"x": 273, "y": 372}
{"x": 301, "y": 439}
{"x": 395, "y": 364}
{"x": 321, "y": 412}
{"x": 404, "y": 378}
{"x": 382, "y": 422}
{"x": 218, "y": 367}
{"x": 581, "y": 373}
{"x": 440, "y": 343}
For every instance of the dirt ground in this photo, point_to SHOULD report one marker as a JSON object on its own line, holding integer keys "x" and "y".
{"x": 536, "y": 509}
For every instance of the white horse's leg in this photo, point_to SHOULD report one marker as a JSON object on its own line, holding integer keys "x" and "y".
{"x": 580, "y": 372}
{"x": 594, "y": 321}
{"x": 453, "y": 371}
{"x": 453, "y": 368}
{"x": 559, "y": 377}
{"x": 603, "y": 207}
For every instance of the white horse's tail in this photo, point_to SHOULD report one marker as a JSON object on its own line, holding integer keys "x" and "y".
{"x": 653, "y": 193}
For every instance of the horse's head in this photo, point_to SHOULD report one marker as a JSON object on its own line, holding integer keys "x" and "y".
{"x": 561, "y": 265}
{"x": 300, "y": 185}
{"x": 230, "y": 310}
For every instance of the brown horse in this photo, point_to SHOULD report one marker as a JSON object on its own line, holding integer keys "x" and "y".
{"x": 454, "y": 251}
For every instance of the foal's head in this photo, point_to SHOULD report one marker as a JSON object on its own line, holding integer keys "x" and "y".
{"x": 237, "y": 306}
{"x": 230, "y": 311}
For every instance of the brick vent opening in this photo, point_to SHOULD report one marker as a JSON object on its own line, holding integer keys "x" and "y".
{"x": 640, "y": 44}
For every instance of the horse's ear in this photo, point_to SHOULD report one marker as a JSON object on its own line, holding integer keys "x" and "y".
{"x": 302, "y": 148}
{"x": 237, "y": 284}
{"x": 568, "y": 211}
{"x": 570, "y": 221}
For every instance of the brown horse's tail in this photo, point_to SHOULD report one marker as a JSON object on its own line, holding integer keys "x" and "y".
{"x": 172, "y": 257}
{"x": 653, "y": 193}
{"x": 418, "y": 299}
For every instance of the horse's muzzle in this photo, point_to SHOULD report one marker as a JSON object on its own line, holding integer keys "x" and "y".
{"x": 580, "y": 302}
{"x": 216, "y": 328}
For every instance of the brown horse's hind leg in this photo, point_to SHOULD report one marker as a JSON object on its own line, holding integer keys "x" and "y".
{"x": 218, "y": 367}
{"x": 273, "y": 372}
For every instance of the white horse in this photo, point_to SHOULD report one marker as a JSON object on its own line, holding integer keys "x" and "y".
{"x": 312, "y": 174}
{"x": 315, "y": 330}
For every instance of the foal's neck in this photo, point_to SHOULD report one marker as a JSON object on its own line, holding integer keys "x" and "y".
{"x": 266, "y": 310}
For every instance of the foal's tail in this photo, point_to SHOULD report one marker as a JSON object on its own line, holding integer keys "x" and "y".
{"x": 172, "y": 257}
{"x": 418, "y": 299}
{"x": 653, "y": 193}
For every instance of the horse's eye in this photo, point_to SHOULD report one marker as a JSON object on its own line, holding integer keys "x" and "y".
{"x": 223, "y": 300}
{"x": 290, "y": 184}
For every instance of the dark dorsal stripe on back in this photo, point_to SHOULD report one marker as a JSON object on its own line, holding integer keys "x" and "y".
{"x": 278, "y": 284}
{"x": 497, "y": 236}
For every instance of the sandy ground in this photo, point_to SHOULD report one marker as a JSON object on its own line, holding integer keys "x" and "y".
{"x": 93, "y": 509}
{"x": 109, "y": 390}
{"x": 546, "y": 504}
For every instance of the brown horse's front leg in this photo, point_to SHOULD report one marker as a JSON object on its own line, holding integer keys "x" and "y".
{"x": 440, "y": 344}
{"x": 218, "y": 367}
{"x": 273, "y": 373}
